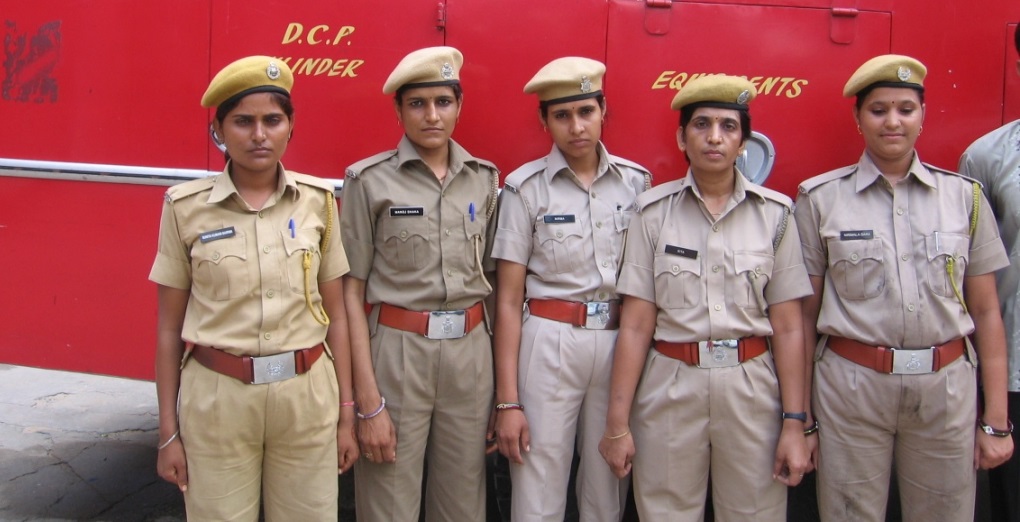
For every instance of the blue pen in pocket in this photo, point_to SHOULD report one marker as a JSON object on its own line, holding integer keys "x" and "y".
{"x": 291, "y": 227}
{"x": 471, "y": 210}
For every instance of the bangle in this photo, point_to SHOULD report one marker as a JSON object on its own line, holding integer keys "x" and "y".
{"x": 615, "y": 437}
{"x": 365, "y": 416}
{"x": 994, "y": 432}
{"x": 346, "y": 404}
{"x": 168, "y": 441}
{"x": 509, "y": 406}
{"x": 800, "y": 415}
{"x": 812, "y": 429}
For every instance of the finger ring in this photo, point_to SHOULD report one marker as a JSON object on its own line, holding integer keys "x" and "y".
{"x": 367, "y": 455}
{"x": 801, "y": 474}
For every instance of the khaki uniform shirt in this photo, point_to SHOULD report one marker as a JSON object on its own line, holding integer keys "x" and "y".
{"x": 994, "y": 160}
{"x": 570, "y": 238}
{"x": 417, "y": 243}
{"x": 712, "y": 280}
{"x": 243, "y": 267}
{"x": 883, "y": 252}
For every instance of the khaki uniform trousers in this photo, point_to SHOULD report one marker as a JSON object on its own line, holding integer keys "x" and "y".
{"x": 688, "y": 420}
{"x": 924, "y": 422}
{"x": 278, "y": 439}
{"x": 439, "y": 396}
{"x": 563, "y": 383}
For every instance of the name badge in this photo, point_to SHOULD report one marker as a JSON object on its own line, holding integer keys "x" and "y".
{"x": 213, "y": 235}
{"x": 558, "y": 218}
{"x": 406, "y": 211}
{"x": 682, "y": 252}
{"x": 851, "y": 235}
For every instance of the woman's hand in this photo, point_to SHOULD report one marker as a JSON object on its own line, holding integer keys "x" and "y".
{"x": 812, "y": 447}
{"x": 172, "y": 465}
{"x": 990, "y": 451}
{"x": 346, "y": 446}
{"x": 792, "y": 458}
{"x": 618, "y": 453}
{"x": 512, "y": 435}
{"x": 378, "y": 438}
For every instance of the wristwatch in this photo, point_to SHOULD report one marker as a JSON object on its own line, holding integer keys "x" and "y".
{"x": 994, "y": 432}
{"x": 801, "y": 416}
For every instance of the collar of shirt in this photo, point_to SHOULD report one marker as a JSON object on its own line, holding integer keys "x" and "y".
{"x": 741, "y": 187}
{"x": 868, "y": 173}
{"x": 407, "y": 153}
{"x": 556, "y": 163}
{"x": 224, "y": 187}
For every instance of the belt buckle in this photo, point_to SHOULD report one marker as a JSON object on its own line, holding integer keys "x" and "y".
{"x": 597, "y": 315}
{"x": 273, "y": 368}
{"x": 720, "y": 353}
{"x": 447, "y": 324}
{"x": 912, "y": 362}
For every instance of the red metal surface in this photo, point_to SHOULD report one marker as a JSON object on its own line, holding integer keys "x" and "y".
{"x": 76, "y": 255}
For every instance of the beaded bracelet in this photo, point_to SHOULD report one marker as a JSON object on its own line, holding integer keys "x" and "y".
{"x": 509, "y": 406}
{"x": 811, "y": 430}
{"x": 366, "y": 416}
{"x": 168, "y": 441}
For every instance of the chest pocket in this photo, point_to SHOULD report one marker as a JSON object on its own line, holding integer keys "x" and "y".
{"x": 220, "y": 268}
{"x": 474, "y": 238}
{"x": 304, "y": 240}
{"x": 753, "y": 271}
{"x": 405, "y": 242}
{"x": 677, "y": 281}
{"x": 564, "y": 241}
{"x": 857, "y": 268}
{"x": 950, "y": 250}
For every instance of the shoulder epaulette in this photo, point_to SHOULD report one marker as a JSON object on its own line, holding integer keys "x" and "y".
{"x": 773, "y": 195}
{"x": 951, "y": 173}
{"x": 636, "y": 166}
{"x": 189, "y": 188}
{"x": 355, "y": 170}
{"x": 658, "y": 192}
{"x": 486, "y": 163}
{"x": 813, "y": 183}
{"x": 514, "y": 180}
{"x": 314, "y": 181}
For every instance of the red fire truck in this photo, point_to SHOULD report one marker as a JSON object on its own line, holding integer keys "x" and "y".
{"x": 100, "y": 109}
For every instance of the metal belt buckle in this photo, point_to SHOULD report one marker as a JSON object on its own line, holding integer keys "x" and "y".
{"x": 447, "y": 325}
{"x": 273, "y": 368}
{"x": 913, "y": 361}
{"x": 718, "y": 354}
{"x": 597, "y": 315}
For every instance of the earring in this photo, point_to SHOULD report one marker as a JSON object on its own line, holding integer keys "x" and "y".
{"x": 859, "y": 130}
{"x": 920, "y": 130}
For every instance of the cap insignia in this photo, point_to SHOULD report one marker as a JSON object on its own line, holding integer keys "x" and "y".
{"x": 585, "y": 84}
{"x": 273, "y": 72}
{"x": 447, "y": 71}
{"x": 903, "y": 73}
{"x": 743, "y": 96}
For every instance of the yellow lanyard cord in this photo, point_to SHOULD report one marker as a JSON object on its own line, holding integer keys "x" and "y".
{"x": 950, "y": 264}
{"x": 950, "y": 260}
{"x": 306, "y": 263}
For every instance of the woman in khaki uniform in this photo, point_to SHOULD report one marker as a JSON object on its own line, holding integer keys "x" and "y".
{"x": 901, "y": 256}
{"x": 418, "y": 222}
{"x": 712, "y": 278}
{"x": 562, "y": 223}
{"x": 252, "y": 354}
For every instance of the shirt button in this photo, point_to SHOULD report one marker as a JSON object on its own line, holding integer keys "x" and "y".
{"x": 598, "y": 224}
{"x": 593, "y": 194}
{"x": 447, "y": 231}
{"x": 715, "y": 268}
{"x": 262, "y": 213}
{"x": 904, "y": 257}
{"x": 676, "y": 269}
{"x": 854, "y": 257}
{"x": 910, "y": 308}
{"x": 559, "y": 234}
{"x": 449, "y": 273}
{"x": 270, "y": 294}
{"x": 602, "y": 295}
{"x": 899, "y": 212}
{"x": 215, "y": 256}
{"x": 403, "y": 234}
{"x": 266, "y": 249}
{"x": 268, "y": 336}
{"x": 718, "y": 307}
{"x": 757, "y": 270}
{"x": 715, "y": 228}
{"x": 605, "y": 263}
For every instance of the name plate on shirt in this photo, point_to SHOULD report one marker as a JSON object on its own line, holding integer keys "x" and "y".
{"x": 558, "y": 218}
{"x": 406, "y": 211}
{"x": 213, "y": 235}
{"x": 851, "y": 235}
{"x": 682, "y": 252}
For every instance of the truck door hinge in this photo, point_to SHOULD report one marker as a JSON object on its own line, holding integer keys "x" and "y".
{"x": 658, "y": 14}
{"x": 843, "y": 21}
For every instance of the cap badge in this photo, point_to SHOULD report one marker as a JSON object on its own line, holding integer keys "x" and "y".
{"x": 272, "y": 71}
{"x": 903, "y": 73}
{"x": 743, "y": 96}
{"x": 585, "y": 84}
{"x": 447, "y": 71}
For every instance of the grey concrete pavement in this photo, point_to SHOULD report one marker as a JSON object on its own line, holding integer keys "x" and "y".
{"x": 76, "y": 446}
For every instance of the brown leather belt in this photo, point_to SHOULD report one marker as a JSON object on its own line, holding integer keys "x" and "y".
{"x": 258, "y": 370}
{"x": 451, "y": 324}
{"x": 595, "y": 315}
{"x": 714, "y": 354}
{"x": 898, "y": 360}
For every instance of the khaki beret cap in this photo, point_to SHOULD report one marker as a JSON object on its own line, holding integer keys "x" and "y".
{"x": 888, "y": 70}
{"x": 567, "y": 79}
{"x": 246, "y": 76}
{"x": 717, "y": 90}
{"x": 427, "y": 67}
